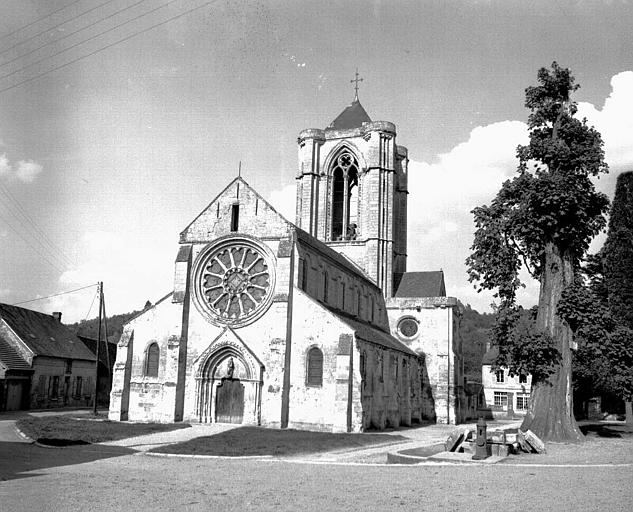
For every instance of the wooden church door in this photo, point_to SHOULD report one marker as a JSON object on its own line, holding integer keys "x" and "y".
{"x": 229, "y": 402}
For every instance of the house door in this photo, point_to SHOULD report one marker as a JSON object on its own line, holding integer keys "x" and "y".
{"x": 15, "y": 392}
{"x": 229, "y": 401}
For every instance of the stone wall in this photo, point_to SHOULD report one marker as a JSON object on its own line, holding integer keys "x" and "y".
{"x": 56, "y": 384}
{"x": 437, "y": 340}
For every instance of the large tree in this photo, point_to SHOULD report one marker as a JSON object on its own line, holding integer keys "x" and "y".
{"x": 543, "y": 219}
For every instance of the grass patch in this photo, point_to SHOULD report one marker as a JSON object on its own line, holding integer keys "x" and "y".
{"x": 87, "y": 429}
{"x": 244, "y": 441}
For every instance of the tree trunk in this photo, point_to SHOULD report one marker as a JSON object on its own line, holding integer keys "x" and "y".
{"x": 628, "y": 409}
{"x": 551, "y": 413}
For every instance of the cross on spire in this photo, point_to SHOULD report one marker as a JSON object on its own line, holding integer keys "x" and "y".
{"x": 355, "y": 82}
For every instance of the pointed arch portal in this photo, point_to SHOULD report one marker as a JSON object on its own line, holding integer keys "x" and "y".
{"x": 228, "y": 385}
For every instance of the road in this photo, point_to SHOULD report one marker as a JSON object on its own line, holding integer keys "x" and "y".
{"x": 113, "y": 478}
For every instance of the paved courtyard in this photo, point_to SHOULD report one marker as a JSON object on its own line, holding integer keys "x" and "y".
{"x": 116, "y": 477}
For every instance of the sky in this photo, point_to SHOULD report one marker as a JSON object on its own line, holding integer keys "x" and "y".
{"x": 121, "y": 120}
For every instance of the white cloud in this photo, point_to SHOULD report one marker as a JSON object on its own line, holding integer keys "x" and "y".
{"x": 5, "y": 166}
{"x": 133, "y": 271}
{"x": 27, "y": 170}
{"x": 284, "y": 201}
{"x": 442, "y": 195}
{"x": 615, "y": 120}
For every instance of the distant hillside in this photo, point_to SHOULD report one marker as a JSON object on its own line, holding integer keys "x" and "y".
{"x": 90, "y": 328}
{"x": 475, "y": 328}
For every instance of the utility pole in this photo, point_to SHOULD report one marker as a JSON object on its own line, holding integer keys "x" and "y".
{"x": 100, "y": 291}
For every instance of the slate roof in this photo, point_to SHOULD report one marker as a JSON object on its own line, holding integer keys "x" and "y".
{"x": 368, "y": 332}
{"x": 420, "y": 284}
{"x": 373, "y": 334}
{"x": 43, "y": 334}
{"x": 91, "y": 343}
{"x": 10, "y": 358}
{"x": 329, "y": 252}
{"x": 353, "y": 116}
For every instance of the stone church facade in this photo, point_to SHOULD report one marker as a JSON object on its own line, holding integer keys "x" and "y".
{"x": 313, "y": 325}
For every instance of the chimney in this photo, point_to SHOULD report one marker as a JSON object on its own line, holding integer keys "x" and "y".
{"x": 57, "y": 315}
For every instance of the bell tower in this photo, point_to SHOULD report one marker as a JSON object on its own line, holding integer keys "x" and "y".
{"x": 352, "y": 192}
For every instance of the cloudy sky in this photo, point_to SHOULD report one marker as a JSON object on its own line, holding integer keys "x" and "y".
{"x": 120, "y": 120}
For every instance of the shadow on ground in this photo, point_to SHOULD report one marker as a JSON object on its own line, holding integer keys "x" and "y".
{"x": 607, "y": 429}
{"x": 245, "y": 441}
{"x": 22, "y": 460}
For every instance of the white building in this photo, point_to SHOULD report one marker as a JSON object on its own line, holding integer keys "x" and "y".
{"x": 505, "y": 395}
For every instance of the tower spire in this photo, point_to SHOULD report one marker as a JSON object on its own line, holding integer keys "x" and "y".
{"x": 355, "y": 82}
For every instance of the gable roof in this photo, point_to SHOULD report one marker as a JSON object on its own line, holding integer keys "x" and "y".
{"x": 43, "y": 334}
{"x": 91, "y": 344}
{"x": 420, "y": 284}
{"x": 239, "y": 180}
{"x": 10, "y": 358}
{"x": 353, "y": 116}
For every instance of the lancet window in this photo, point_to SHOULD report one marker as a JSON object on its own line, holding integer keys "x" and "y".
{"x": 344, "y": 197}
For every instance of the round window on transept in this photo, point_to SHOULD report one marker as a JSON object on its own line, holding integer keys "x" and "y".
{"x": 408, "y": 327}
{"x": 234, "y": 281}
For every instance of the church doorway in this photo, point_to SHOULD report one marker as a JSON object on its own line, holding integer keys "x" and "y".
{"x": 229, "y": 401}
{"x": 227, "y": 391}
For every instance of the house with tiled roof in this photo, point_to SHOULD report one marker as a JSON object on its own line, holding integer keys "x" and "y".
{"x": 43, "y": 364}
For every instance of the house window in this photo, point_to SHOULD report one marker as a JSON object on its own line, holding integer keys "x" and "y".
{"x": 78, "y": 384}
{"x": 151, "y": 361}
{"x": 522, "y": 379}
{"x": 235, "y": 217}
{"x": 69, "y": 365}
{"x": 325, "y": 287}
{"x": 55, "y": 387}
{"x": 500, "y": 376}
{"x": 314, "y": 369}
{"x": 500, "y": 399}
{"x": 523, "y": 402}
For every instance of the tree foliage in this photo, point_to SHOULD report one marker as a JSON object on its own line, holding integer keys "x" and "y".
{"x": 543, "y": 219}
{"x": 600, "y": 312}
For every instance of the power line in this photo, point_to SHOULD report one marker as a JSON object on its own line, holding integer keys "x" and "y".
{"x": 55, "y": 295}
{"x": 94, "y": 297}
{"x": 39, "y": 19}
{"x": 38, "y": 234}
{"x": 44, "y": 256}
{"x": 21, "y": 56}
{"x": 127, "y": 38}
{"x": 54, "y": 27}
{"x": 111, "y": 29}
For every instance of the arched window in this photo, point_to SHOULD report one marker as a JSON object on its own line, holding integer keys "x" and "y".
{"x": 345, "y": 197}
{"x": 151, "y": 360}
{"x": 314, "y": 367}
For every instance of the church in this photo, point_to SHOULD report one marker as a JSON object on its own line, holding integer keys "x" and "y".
{"x": 314, "y": 325}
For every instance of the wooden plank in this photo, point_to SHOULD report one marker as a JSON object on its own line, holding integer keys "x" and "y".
{"x": 454, "y": 440}
{"x": 523, "y": 444}
{"x": 532, "y": 439}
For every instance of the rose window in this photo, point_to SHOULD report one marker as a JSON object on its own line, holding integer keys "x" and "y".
{"x": 408, "y": 327}
{"x": 235, "y": 282}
